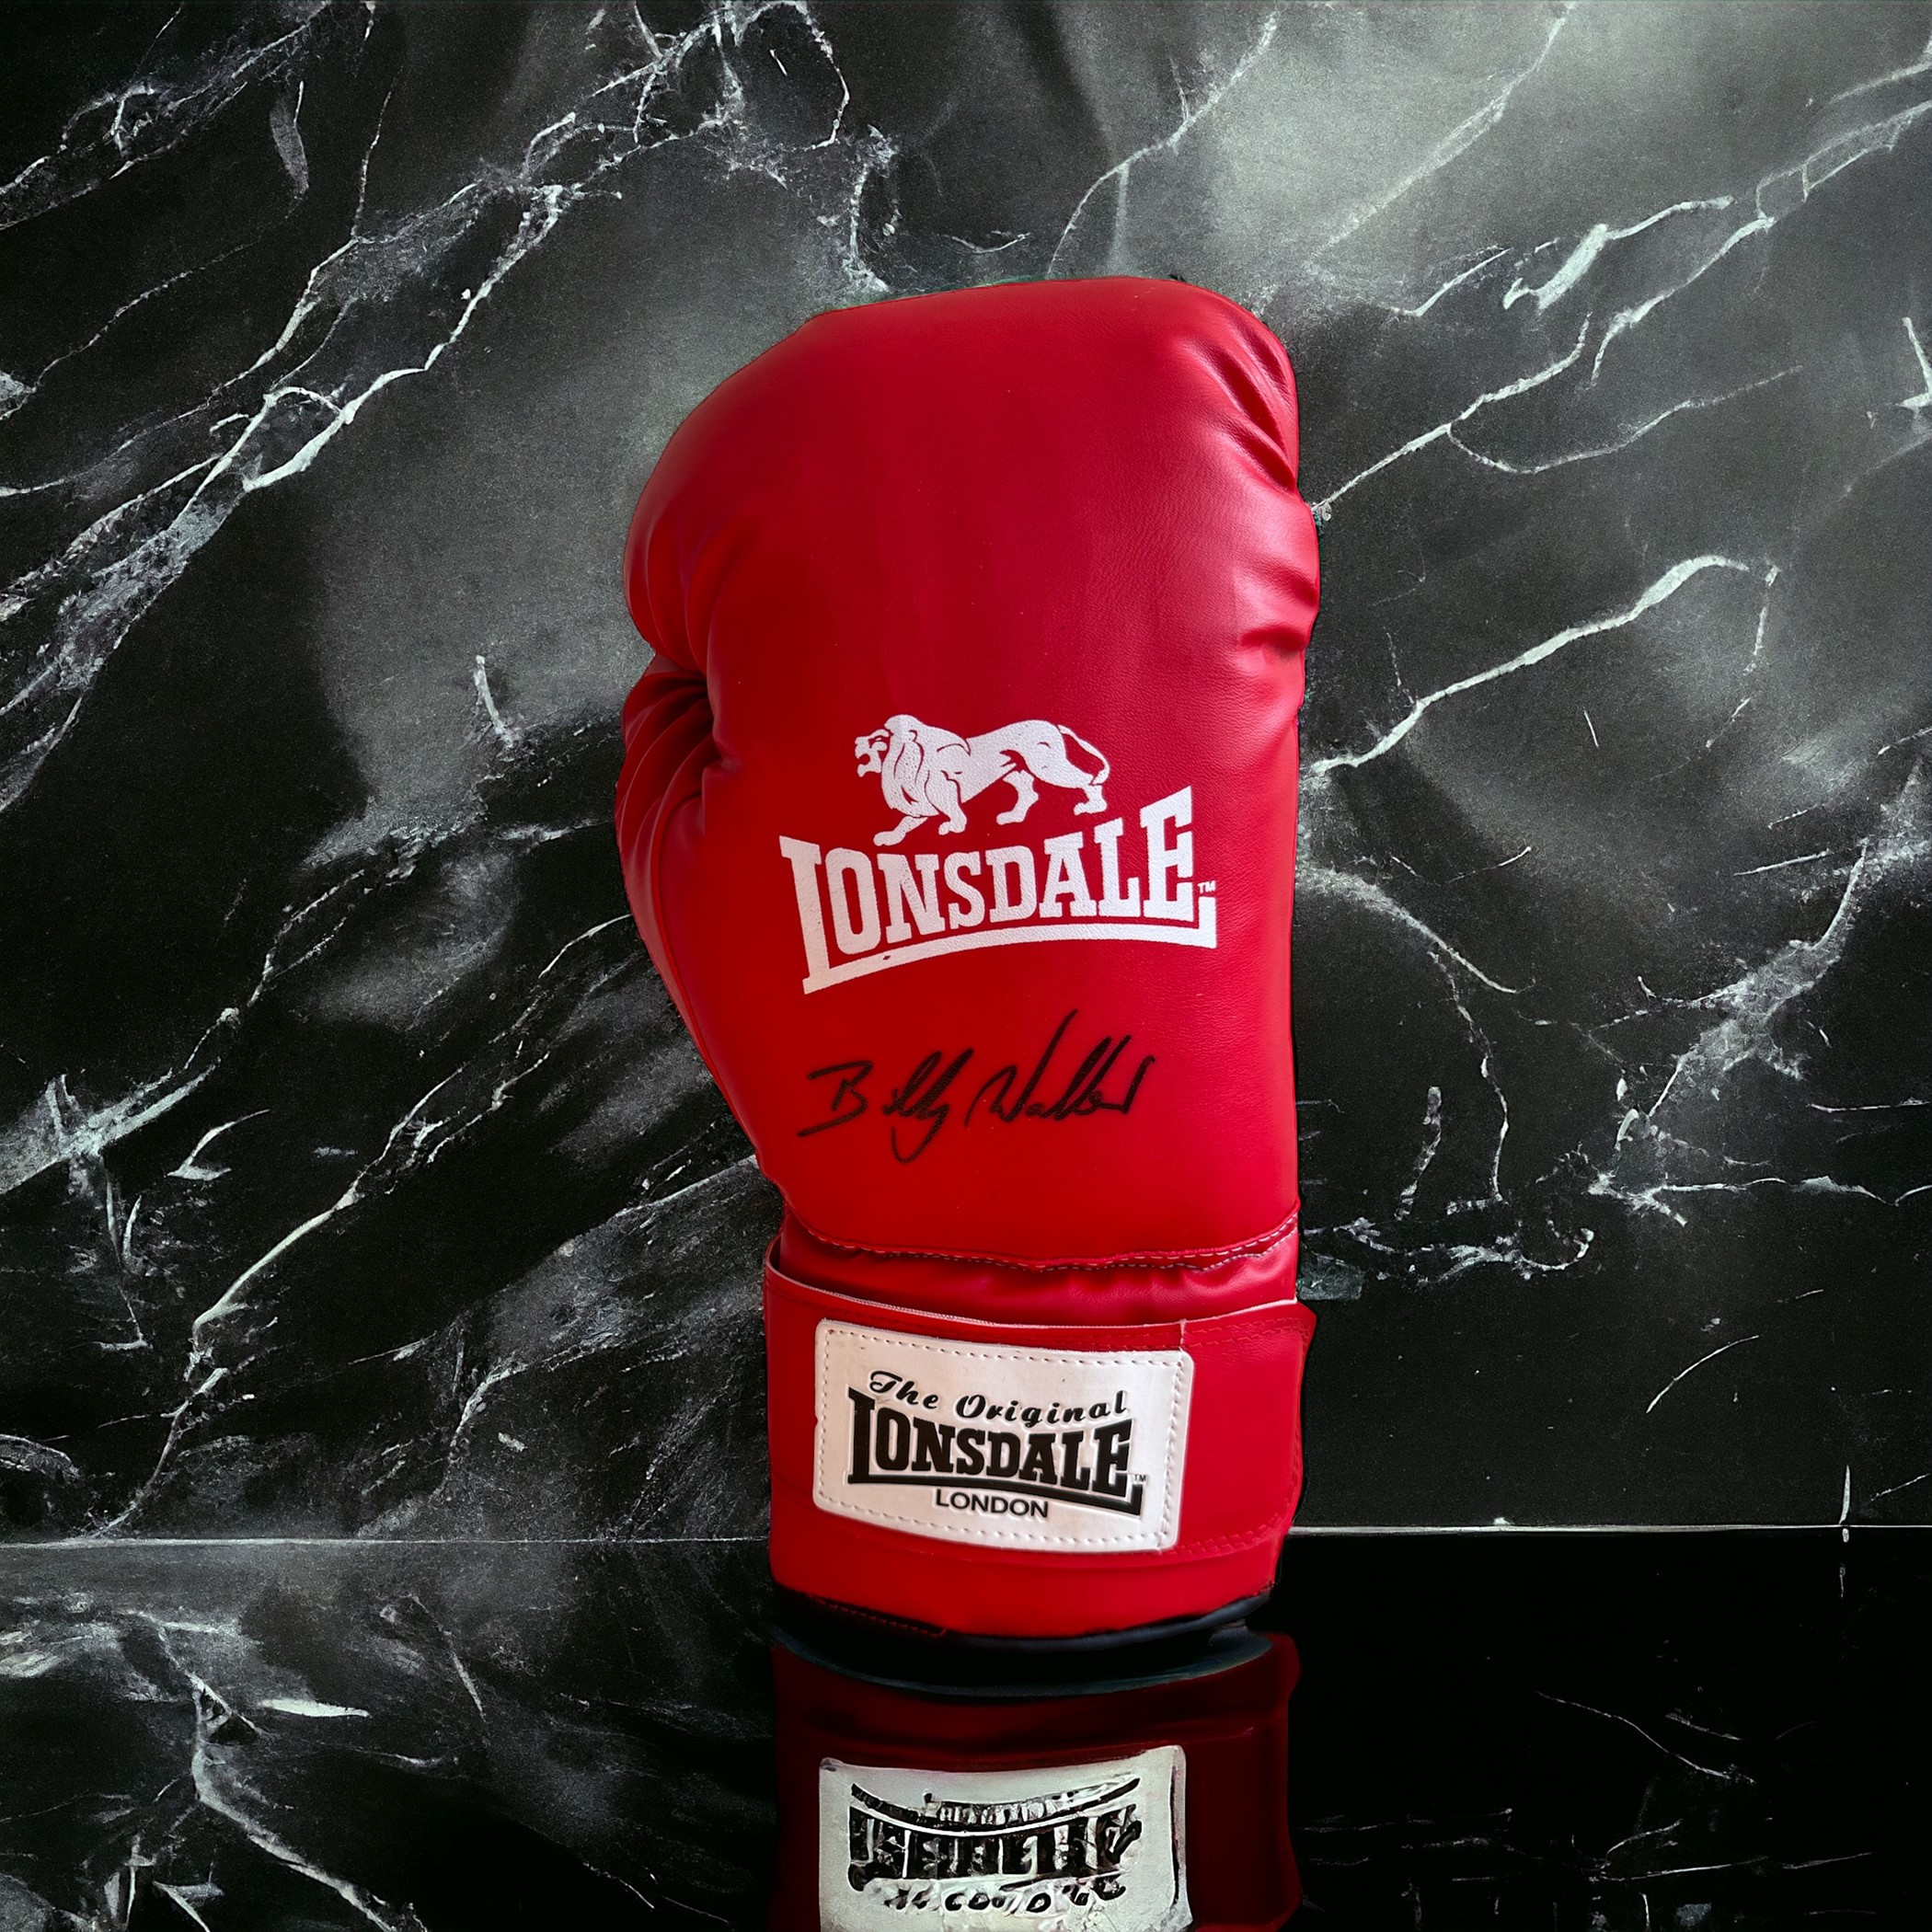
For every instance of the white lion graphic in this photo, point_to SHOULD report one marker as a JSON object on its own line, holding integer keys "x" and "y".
{"x": 927, "y": 772}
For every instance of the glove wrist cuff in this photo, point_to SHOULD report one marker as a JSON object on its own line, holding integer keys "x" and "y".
{"x": 991, "y": 1477}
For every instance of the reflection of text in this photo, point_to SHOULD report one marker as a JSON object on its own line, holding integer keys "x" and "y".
{"x": 1027, "y": 1857}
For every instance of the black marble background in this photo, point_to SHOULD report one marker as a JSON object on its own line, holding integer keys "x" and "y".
{"x": 357, "y": 1177}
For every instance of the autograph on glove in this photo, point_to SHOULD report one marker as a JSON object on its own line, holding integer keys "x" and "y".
{"x": 929, "y": 1094}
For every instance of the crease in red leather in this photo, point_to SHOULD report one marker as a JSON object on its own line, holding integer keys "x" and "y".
{"x": 1124, "y": 1290}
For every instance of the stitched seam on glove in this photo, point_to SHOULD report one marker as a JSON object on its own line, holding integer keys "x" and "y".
{"x": 1162, "y": 1258}
{"x": 1183, "y": 1325}
{"x": 653, "y": 877}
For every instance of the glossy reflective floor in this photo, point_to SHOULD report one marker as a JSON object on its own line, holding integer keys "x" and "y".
{"x": 1511, "y": 1730}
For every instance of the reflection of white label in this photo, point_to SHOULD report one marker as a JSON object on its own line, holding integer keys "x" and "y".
{"x": 1011, "y": 1448}
{"x": 1067, "y": 1848}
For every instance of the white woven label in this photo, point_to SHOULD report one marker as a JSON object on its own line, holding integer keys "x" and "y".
{"x": 1069, "y": 1848}
{"x": 1012, "y": 1448}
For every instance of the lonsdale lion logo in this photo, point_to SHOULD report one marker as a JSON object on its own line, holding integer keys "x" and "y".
{"x": 863, "y": 911}
{"x": 927, "y": 772}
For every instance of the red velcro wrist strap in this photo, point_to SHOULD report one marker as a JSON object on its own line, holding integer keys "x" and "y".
{"x": 1029, "y": 1479}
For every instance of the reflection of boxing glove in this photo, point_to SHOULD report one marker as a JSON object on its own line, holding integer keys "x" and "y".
{"x": 1144, "y": 1807}
{"x": 957, "y": 811}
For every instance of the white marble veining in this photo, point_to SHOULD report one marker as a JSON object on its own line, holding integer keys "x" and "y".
{"x": 357, "y": 1177}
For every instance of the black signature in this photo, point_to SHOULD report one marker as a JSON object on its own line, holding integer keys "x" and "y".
{"x": 929, "y": 1094}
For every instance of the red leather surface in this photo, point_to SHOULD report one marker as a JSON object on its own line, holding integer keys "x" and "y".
{"x": 1242, "y": 1477}
{"x": 1233, "y": 1727}
{"x": 1065, "y": 502}
{"x": 959, "y": 814}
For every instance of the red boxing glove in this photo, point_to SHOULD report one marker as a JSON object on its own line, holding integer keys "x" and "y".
{"x": 958, "y": 812}
{"x": 1140, "y": 1808}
